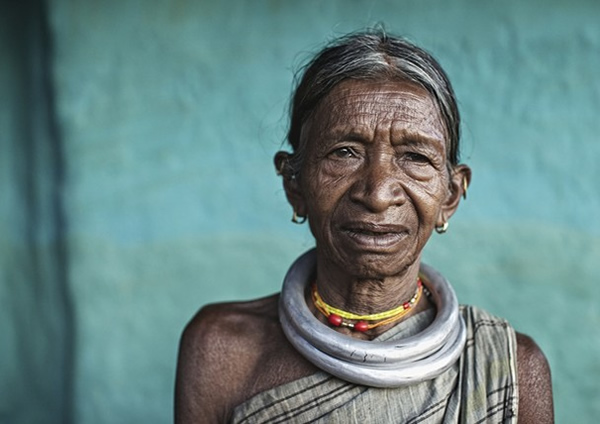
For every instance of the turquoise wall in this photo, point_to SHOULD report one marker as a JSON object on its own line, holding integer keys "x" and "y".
{"x": 137, "y": 182}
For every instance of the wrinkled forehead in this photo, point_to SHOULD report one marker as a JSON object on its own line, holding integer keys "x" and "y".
{"x": 366, "y": 105}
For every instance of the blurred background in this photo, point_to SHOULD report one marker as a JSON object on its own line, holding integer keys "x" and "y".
{"x": 136, "y": 182}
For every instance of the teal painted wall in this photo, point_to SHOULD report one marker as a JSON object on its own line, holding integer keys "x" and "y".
{"x": 167, "y": 116}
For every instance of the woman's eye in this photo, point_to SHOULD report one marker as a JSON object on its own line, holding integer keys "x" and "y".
{"x": 416, "y": 157}
{"x": 343, "y": 153}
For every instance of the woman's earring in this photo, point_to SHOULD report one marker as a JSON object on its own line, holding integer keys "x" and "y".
{"x": 465, "y": 187}
{"x": 280, "y": 169}
{"x": 441, "y": 229}
{"x": 298, "y": 219}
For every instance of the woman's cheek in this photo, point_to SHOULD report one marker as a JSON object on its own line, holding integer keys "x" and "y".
{"x": 428, "y": 179}
{"x": 339, "y": 169}
{"x": 420, "y": 172}
{"x": 331, "y": 178}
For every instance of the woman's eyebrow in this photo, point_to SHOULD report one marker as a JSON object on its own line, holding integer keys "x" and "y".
{"x": 419, "y": 139}
{"x": 348, "y": 133}
{"x": 362, "y": 134}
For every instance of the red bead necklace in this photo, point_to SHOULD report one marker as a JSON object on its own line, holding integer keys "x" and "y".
{"x": 339, "y": 318}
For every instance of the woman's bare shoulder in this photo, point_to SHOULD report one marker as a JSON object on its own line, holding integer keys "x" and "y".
{"x": 219, "y": 350}
{"x": 232, "y": 319}
{"x": 535, "y": 383}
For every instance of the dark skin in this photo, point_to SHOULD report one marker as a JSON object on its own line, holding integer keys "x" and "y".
{"x": 374, "y": 184}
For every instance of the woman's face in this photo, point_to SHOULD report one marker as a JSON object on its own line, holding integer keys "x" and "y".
{"x": 374, "y": 181}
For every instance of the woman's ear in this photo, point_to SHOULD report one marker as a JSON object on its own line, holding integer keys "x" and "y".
{"x": 291, "y": 184}
{"x": 460, "y": 179}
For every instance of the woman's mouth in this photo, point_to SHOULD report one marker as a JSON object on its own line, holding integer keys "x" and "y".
{"x": 375, "y": 237}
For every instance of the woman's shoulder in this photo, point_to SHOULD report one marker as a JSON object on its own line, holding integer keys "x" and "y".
{"x": 228, "y": 353}
{"x": 535, "y": 382}
{"x": 219, "y": 349}
{"x": 232, "y": 319}
{"x": 238, "y": 333}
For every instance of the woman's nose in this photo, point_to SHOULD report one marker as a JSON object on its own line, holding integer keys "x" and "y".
{"x": 379, "y": 185}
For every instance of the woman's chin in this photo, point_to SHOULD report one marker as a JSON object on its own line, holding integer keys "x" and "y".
{"x": 375, "y": 263}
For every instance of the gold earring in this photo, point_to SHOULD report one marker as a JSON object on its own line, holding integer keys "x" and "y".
{"x": 296, "y": 219}
{"x": 465, "y": 187}
{"x": 441, "y": 229}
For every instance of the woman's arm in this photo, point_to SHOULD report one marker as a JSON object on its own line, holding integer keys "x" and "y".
{"x": 535, "y": 384}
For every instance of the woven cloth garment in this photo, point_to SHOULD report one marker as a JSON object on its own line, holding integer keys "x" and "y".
{"x": 481, "y": 387}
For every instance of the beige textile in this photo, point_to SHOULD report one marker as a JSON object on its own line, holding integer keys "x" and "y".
{"x": 481, "y": 387}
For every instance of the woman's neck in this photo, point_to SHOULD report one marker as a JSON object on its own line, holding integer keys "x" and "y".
{"x": 364, "y": 296}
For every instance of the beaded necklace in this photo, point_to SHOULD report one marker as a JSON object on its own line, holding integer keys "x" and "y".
{"x": 336, "y": 317}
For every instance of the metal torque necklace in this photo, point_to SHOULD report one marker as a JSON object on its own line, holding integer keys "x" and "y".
{"x": 393, "y": 363}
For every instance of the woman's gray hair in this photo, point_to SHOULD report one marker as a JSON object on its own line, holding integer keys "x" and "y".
{"x": 373, "y": 56}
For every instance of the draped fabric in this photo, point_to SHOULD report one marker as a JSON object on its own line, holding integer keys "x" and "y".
{"x": 480, "y": 387}
{"x": 36, "y": 319}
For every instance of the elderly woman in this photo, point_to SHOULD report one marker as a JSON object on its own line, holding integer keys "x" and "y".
{"x": 362, "y": 330}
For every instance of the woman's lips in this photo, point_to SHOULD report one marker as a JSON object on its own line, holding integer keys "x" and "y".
{"x": 374, "y": 236}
